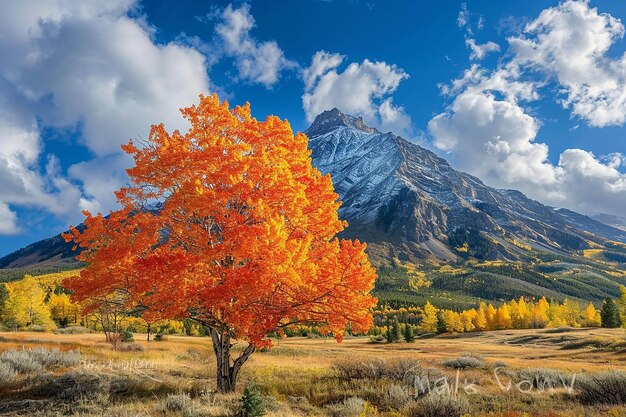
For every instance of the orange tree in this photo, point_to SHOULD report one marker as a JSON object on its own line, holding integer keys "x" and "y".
{"x": 229, "y": 225}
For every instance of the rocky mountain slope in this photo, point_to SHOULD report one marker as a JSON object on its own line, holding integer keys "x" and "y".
{"x": 408, "y": 203}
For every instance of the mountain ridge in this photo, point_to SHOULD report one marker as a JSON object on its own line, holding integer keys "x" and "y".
{"x": 408, "y": 203}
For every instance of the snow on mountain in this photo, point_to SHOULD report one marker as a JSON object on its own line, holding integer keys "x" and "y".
{"x": 406, "y": 199}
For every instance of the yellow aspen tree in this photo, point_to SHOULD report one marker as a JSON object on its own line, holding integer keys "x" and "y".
{"x": 467, "y": 320}
{"x": 592, "y": 316}
{"x": 490, "y": 313}
{"x": 25, "y": 305}
{"x": 480, "y": 321}
{"x": 539, "y": 316}
{"x": 429, "y": 319}
{"x": 502, "y": 319}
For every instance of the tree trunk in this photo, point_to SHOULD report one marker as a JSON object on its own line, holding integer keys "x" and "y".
{"x": 227, "y": 369}
{"x": 149, "y": 332}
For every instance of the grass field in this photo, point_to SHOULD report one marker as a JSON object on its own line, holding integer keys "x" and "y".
{"x": 320, "y": 377}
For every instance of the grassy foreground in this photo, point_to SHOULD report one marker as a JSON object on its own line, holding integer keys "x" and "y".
{"x": 501, "y": 373}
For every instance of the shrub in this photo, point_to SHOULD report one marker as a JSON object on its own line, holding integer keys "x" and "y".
{"x": 464, "y": 362}
{"x": 131, "y": 347}
{"x": 395, "y": 370}
{"x": 160, "y": 337}
{"x": 434, "y": 405}
{"x": 350, "y": 407}
{"x": 50, "y": 358}
{"x": 602, "y": 388}
{"x": 35, "y": 360}
{"x": 542, "y": 378}
{"x": 252, "y": 404}
{"x": 128, "y": 336}
{"x": 21, "y": 361}
{"x": 73, "y": 330}
{"x": 7, "y": 373}
{"x": 179, "y": 403}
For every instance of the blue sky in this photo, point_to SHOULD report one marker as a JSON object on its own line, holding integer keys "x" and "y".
{"x": 525, "y": 95}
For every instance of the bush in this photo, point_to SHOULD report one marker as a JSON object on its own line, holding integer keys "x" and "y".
{"x": 464, "y": 362}
{"x": 73, "y": 330}
{"x": 252, "y": 404}
{"x": 50, "y": 358}
{"x": 434, "y": 405}
{"x": 542, "y": 378}
{"x": 350, "y": 407}
{"x": 35, "y": 360}
{"x": 128, "y": 336}
{"x": 395, "y": 370}
{"x": 179, "y": 402}
{"x": 160, "y": 337}
{"x": 131, "y": 347}
{"x": 21, "y": 361}
{"x": 7, "y": 373}
{"x": 602, "y": 388}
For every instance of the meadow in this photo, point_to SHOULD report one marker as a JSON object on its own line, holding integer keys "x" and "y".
{"x": 544, "y": 372}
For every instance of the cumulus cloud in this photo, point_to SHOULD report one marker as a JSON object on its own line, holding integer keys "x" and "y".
{"x": 488, "y": 131}
{"x": 260, "y": 62}
{"x": 570, "y": 43}
{"x": 86, "y": 66}
{"x": 479, "y": 51}
{"x": 361, "y": 89}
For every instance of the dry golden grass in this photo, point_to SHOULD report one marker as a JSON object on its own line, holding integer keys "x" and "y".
{"x": 298, "y": 374}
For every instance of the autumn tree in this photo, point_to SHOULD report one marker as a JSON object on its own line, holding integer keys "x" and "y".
{"x": 229, "y": 225}
{"x": 429, "y": 319}
{"x": 592, "y": 316}
{"x": 621, "y": 304}
{"x": 25, "y": 304}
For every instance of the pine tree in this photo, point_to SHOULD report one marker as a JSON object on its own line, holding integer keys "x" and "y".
{"x": 408, "y": 333}
{"x": 395, "y": 331}
{"x": 610, "y": 314}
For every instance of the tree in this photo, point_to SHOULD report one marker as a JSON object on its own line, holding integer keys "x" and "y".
{"x": 621, "y": 302}
{"x": 592, "y": 316}
{"x": 394, "y": 332}
{"x": 490, "y": 314}
{"x": 480, "y": 320}
{"x": 539, "y": 315}
{"x": 229, "y": 225}
{"x": 408, "y": 333}
{"x": 502, "y": 319}
{"x": 609, "y": 314}
{"x": 62, "y": 309}
{"x": 25, "y": 304}
{"x": 429, "y": 319}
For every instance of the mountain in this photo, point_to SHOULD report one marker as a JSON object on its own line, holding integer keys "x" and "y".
{"x": 53, "y": 253}
{"x": 408, "y": 203}
{"x": 618, "y": 222}
{"x": 473, "y": 242}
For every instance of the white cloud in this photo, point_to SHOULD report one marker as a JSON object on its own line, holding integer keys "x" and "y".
{"x": 8, "y": 221}
{"x": 489, "y": 130}
{"x": 479, "y": 51}
{"x": 570, "y": 43}
{"x": 488, "y": 133}
{"x": 85, "y": 65}
{"x": 463, "y": 17}
{"x": 362, "y": 89}
{"x": 260, "y": 62}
